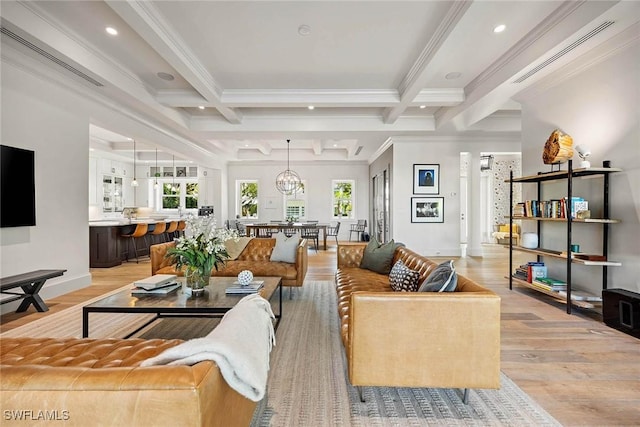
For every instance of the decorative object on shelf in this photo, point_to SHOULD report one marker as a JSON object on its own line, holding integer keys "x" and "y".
{"x": 529, "y": 240}
{"x": 427, "y": 209}
{"x": 200, "y": 250}
{"x": 486, "y": 162}
{"x": 288, "y": 182}
{"x": 558, "y": 148}
{"x": 426, "y": 179}
{"x": 583, "y": 153}
{"x": 245, "y": 277}
{"x": 134, "y": 182}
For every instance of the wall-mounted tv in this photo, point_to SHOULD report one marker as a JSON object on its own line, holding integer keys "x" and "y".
{"x": 17, "y": 187}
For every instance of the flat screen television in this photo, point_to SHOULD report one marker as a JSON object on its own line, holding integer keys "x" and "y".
{"x": 17, "y": 187}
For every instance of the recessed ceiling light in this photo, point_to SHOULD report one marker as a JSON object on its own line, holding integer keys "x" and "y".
{"x": 201, "y": 107}
{"x": 500, "y": 28}
{"x": 311, "y": 107}
{"x": 129, "y": 139}
{"x": 453, "y": 76}
{"x": 111, "y": 31}
{"x": 165, "y": 76}
{"x": 335, "y": 145}
{"x": 423, "y": 107}
{"x": 304, "y": 30}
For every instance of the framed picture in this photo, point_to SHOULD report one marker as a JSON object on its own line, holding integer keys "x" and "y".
{"x": 427, "y": 209}
{"x": 426, "y": 179}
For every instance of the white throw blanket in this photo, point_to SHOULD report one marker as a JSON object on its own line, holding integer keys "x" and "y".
{"x": 240, "y": 345}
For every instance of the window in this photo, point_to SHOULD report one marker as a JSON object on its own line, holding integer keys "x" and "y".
{"x": 170, "y": 195}
{"x": 295, "y": 204}
{"x": 343, "y": 198}
{"x": 177, "y": 195}
{"x": 247, "y": 197}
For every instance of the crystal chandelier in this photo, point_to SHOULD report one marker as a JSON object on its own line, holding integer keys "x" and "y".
{"x": 288, "y": 182}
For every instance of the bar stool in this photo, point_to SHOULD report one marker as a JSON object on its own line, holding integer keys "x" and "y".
{"x": 138, "y": 232}
{"x": 182, "y": 225}
{"x": 158, "y": 230}
{"x": 171, "y": 229}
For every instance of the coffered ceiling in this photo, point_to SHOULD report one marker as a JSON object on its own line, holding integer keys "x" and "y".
{"x": 232, "y": 80}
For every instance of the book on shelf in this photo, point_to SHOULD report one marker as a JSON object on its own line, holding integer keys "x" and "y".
{"x": 578, "y": 295}
{"x": 551, "y": 283}
{"x": 163, "y": 290}
{"x": 251, "y": 288}
{"x": 155, "y": 281}
{"x": 537, "y": 267}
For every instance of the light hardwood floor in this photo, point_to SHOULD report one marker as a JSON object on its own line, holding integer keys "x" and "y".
{"x": 581, "y": 371}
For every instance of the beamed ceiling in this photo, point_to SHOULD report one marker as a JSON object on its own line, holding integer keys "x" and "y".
{"x": 244, "y": 73}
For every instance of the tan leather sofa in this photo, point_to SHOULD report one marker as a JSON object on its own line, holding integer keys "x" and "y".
{"x": 82, "y": 382}
{"x": 416, "y": 339}
{"x": 254, "y": 257}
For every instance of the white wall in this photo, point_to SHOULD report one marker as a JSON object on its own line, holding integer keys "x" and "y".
{"x": 43, "y": 118}
{"x": 318, "y": 177}
{"x": 599, "y": 108}
{"x": 442, "y": 239}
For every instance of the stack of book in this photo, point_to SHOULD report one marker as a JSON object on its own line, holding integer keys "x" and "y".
{"x": 251, "y": 288}
{"x": 550, "y": 284}
{"x": 530, "y": 271}
{"x": 160, "y": 284}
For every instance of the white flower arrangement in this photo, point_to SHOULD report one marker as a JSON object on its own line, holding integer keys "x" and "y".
{"x": 203, "y": 245}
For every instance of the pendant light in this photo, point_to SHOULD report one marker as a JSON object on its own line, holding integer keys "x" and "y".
{"x": 155, "y": 184}
{"x": 288, "y": 182}
{"x": 134, "y": 183}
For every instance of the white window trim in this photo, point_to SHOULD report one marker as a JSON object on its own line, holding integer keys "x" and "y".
{"x": 353, "y": 198}
{"x": 239, "y": 182}
{"x": 156, "y": 195}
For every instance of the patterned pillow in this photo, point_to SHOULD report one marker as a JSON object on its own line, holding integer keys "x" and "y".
{"x": 402, "y": 278}
{"x": 443, "y": 278}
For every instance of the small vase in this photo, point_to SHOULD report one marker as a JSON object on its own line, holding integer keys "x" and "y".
{"x": 197, "y": 280}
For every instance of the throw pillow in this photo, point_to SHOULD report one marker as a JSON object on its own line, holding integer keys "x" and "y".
{"x": 378, "y": 257}
{"x": 235, "y": 247}
{"x": 443, "y": 278}
{"x": 402, "y": 278}
{"x": 285, "y": 248}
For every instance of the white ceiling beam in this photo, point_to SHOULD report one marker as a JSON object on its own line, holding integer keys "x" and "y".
{"x": 413, "y": 81}
{"x": 492, "y": 88}
{"x": 371, "y": 123}
{"x": 319, "y": 98}
{"x": 149, "y": 23}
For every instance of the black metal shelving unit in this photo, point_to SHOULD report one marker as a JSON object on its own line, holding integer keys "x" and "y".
{"x": 567, "y": 175}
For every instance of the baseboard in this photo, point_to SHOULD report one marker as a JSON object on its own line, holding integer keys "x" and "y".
{"x": 61, "y": 287}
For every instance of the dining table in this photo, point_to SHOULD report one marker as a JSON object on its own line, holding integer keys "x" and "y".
{"x": 252, "y": 229}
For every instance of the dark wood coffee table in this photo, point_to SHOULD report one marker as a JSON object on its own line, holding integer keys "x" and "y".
{"x": 214, "y": 303}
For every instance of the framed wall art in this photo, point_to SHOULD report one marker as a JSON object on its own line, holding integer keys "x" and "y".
{"x": 427, "y": 209}
{"x": 426, "y": 179}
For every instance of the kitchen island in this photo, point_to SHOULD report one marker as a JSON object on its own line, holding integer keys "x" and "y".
{"x": 107, "y": 247}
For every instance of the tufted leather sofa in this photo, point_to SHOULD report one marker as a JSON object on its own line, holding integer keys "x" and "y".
{"x": 254, "y": 257}
{"x": 415, "y": 339}
{"x": 98, "y": 382}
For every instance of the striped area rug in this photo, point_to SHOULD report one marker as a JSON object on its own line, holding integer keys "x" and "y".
{"x": 308, "y": 384}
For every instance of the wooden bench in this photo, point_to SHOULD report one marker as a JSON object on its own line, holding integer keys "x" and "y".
{"x": 31, "y": 283}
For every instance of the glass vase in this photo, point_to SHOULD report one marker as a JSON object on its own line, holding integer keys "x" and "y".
{"x": 197, "y": 280}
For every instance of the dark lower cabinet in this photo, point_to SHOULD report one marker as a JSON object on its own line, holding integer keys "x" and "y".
{"x": 104, "y": 247}
{"x": 621, "y": 310}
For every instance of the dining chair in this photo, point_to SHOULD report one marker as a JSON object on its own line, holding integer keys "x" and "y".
{"x": 358, "y": 228}
{"x": 310, "y": 232}
{"x": 242, "y": 229}
{"x": 333, "y": 231}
